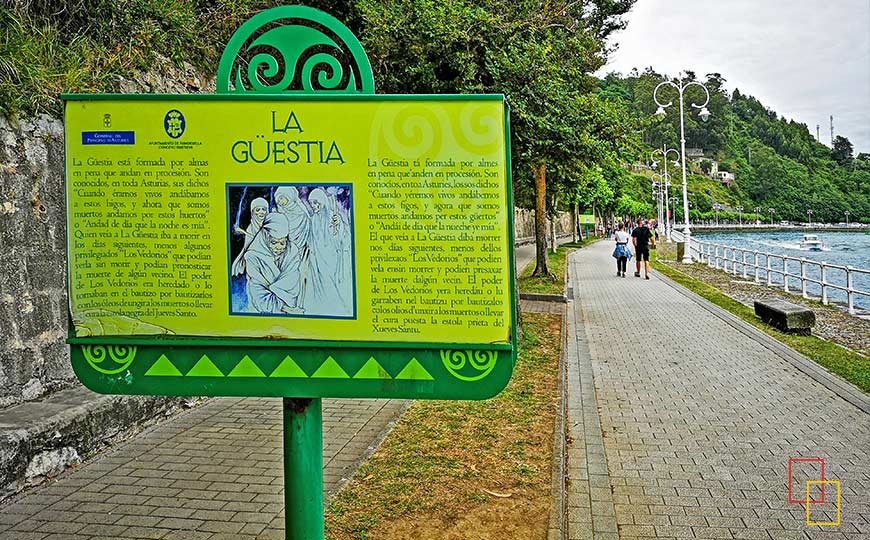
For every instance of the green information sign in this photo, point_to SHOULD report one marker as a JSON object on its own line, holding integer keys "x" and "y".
{"x": 586, "y": 219}
{"x": 251, "y": 245}
{"x": 294, "y": 236}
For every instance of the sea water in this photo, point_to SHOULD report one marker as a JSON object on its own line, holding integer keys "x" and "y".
{"x": 840, "y": 248}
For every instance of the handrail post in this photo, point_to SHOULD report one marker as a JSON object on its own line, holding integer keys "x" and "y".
{"x": 803, "y": 278}
{"x": 769, "y": 275}
{"x": 824, "y": 283}
{"x": 755, "y": 265}
{"x": 850, "y": 294}
{"x": 734, "y": 261}
{"x": 785, "y": 274}
{"x": 717, "y": 256}
{"x": 744, "y": 264}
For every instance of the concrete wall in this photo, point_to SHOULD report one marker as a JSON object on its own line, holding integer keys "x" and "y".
{"x": 33, "y": 357}
{"x": 524, "y": 223}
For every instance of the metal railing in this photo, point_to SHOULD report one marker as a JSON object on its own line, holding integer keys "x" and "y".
{"x": 779, "y": 270}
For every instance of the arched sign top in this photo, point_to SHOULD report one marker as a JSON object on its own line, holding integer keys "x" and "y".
{"x": 295, "y": 50}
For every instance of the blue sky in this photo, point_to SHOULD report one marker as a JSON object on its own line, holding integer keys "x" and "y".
{"x": 806, "y": 59}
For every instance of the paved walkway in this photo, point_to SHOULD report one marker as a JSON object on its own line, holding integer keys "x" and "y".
{"x": 697, "y": 420}
{"x": 213, "y": 472}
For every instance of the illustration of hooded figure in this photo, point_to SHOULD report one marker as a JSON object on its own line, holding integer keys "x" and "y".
{"x": 341, "y": 228}
{"x": 259, "y": 209}
{"x": 272, "y": 268}
{"x": 288, "y": 204}
{"x": 329, "y": 295}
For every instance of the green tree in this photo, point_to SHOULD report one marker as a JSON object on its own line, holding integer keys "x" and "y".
{"x": 539, "y": 54}
{"x": 842, "y": 152}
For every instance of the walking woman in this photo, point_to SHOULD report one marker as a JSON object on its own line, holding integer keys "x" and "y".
{"x": 622, "y": 252}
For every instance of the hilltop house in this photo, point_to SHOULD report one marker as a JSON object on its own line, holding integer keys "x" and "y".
{"x": 694, "y": 154}
{"x": 725, "y": 177}
{"x": 711, "y": 167}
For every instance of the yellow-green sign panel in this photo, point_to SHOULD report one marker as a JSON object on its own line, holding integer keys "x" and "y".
{"x": 358, "y": 223}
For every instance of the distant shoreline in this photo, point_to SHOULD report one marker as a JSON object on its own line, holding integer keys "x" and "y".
{"x": 701, "y": 229}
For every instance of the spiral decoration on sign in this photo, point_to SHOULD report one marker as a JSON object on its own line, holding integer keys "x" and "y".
{"x": 480, "y": 363}
{"x": 478, "y": 130}
{"x": 411, "y": 132}
{"x": 120, "y": 356}
{"x": 294, "y": 49}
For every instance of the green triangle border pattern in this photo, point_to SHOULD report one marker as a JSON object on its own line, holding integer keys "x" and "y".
{"x": 288, "y": 369}
{"x": 204, "y": 367}
{"x": 330, "y": 369}
{"x": 414, "y": 371}
{"x": 163, "y": 367}
{"x": 372, "y": 369}
{"x": 246, "y": 368}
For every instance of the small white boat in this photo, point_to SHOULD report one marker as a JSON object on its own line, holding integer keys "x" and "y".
{"x": 811, "y": 242}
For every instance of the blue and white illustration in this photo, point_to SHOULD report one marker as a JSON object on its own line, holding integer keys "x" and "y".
{"x": 291, "y": 250}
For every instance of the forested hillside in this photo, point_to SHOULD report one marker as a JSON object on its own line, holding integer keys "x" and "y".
{"x": 777, "y": 162}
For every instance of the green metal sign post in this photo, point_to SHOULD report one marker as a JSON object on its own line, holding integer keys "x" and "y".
{"x": 293, "y": 236}
{"x": 303, "y": 468}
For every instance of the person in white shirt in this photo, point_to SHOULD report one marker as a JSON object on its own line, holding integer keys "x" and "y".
{"x": 622, "y": 251}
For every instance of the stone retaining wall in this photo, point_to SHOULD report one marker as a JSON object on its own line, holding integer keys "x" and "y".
{"x": 33, "y": 356}
{"x": 524, "y": 223}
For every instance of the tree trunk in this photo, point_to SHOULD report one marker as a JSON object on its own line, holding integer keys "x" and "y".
{"x": 573, "y": 223}
{"x": 554, "y": 244}
{"x": 594, "y": 222}
{"x": 542, "y": 262}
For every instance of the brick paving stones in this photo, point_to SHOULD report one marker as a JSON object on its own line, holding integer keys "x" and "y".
{"x": 698, "y": 421}
{"x": 211, "y": 473}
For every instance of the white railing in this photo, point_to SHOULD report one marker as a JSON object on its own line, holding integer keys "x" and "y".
{"x": 764, "y": 267}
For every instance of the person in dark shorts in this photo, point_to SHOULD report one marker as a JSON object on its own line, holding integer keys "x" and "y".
{"x": 641, "y": 237}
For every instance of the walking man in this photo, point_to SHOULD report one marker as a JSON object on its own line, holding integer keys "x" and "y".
{"x": 641, "y": 237}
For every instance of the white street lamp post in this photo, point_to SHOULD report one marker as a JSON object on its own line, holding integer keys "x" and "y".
{"x": 657, "y": 190}
{"x": 757, "y": 210}
{"x": 680, "y": 87}
{"x": 664, "y": 152}
{"x": 809, "y": 218}
{"x": 716, "y": 208}
{"x": 740, "y": 215}
{"x": 847, "y": 219}
{"x": 771, "y": 211}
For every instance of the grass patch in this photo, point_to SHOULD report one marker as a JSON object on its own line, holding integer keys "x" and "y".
{"x": 77, "y": 46}
{"x": 849, "y": 365}
{"x": 545, "y": 285}
{"x": 436, "y": 474}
